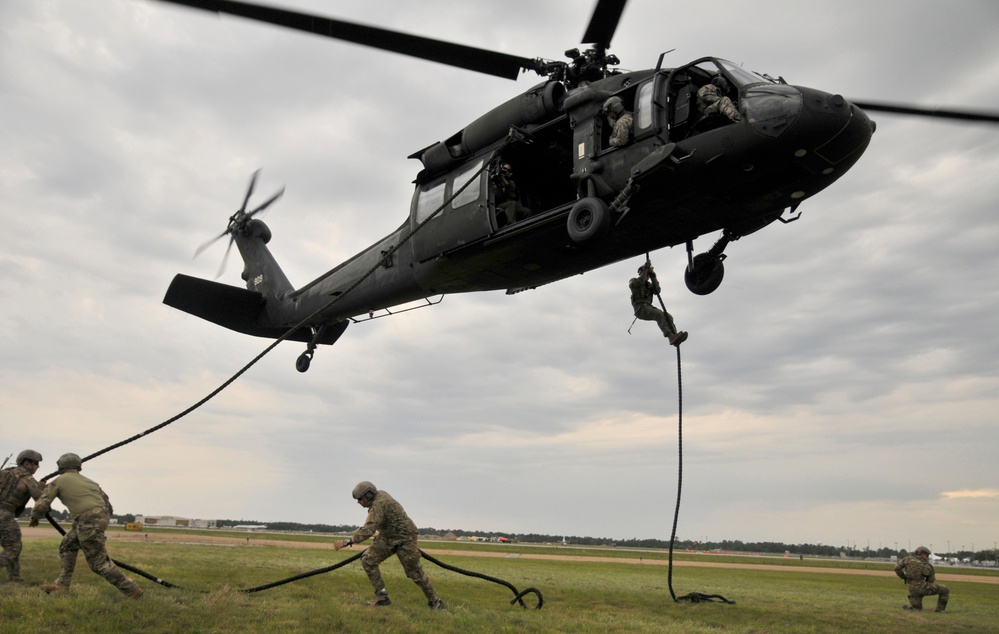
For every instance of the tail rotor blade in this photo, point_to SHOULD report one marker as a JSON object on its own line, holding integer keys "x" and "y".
{"x": 225, "y": 258}
{"x": 266, "y": 204}
{"x": 210, "y": 243}
{"x": 249, "y": 190}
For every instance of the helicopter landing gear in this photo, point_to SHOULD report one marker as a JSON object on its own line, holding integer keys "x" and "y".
{"x": 588, "y": 220}
{"x": 304, "y": 360}
{"x": 705, "y": 270}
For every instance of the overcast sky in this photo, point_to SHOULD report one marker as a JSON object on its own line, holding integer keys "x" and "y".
{"x": 841, "y": 386}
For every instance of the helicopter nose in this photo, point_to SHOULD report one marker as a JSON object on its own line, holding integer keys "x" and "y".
{"x": 837, "y": 131}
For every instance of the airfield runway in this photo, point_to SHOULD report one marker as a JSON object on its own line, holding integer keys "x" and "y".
{"x": 181, "y": 537}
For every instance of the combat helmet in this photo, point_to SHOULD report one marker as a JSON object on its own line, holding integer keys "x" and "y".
{"x": 69, "y": 461}
{"x": 362, "y": 489}
{"x": 613, "y": 104}
{"x": 922, "y": 550}
{"x": 28, "y": 454}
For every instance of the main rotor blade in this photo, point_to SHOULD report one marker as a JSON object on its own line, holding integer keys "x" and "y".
{"x": 602, "y": 25}
{"x": 963, "y": 115}
{"x": 468, "y": 57}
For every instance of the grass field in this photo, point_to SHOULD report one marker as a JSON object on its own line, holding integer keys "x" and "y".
{"x": 617, "y": 593}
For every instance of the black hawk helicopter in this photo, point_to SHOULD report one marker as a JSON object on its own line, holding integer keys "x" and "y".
{"x": 582, "y": 202}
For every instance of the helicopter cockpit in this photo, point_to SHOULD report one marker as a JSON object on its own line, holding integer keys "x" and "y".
{"x": 767, "y": 104}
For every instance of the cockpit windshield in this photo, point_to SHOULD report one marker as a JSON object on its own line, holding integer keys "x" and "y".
{"x": 741, "y": 76}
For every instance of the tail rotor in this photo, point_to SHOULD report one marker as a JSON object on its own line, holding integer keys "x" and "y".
{"x": 238, "y": 222}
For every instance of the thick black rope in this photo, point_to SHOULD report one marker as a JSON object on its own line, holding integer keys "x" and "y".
{"x": 518, "y": 595}
{"x": 305, "y": 575}
{"x": 693, "y": 597}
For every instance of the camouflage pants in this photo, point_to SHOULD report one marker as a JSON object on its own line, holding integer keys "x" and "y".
{"x": 924, "y": 589}
{"x": 87, "y": 535}
{"x": 648, "y": 312}
{"x": 10, "y": 540}
{"x": 409, "y": 556}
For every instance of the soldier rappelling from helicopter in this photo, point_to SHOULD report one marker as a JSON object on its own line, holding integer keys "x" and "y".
{"x": 643, "y": 288}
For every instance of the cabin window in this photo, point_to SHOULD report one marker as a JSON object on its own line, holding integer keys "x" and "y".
{"x": 429, "y": 201}
{"x": 473, "y": 192}
{"x": 643, "y": 107}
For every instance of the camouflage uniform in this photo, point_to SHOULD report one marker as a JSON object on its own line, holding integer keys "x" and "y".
{"x": 396, "y": 533}
{"x": 17, "y": 484}
{"x": 710, "y": 101}
{"x": 920, "y": 578}
{"x": 621, "y": 132}
{"x": 642, "y": 292}
{"x": 91, "y": 510}
{"x": 507, "y": 199}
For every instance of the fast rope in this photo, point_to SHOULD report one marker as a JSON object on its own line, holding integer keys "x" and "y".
{"x": 387, "y": 254}
{"x": 693, "y": 597}
{"x": 518, "y": 596}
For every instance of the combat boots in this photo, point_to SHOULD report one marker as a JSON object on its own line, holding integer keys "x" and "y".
{"x": 915, "y": 603}
{"x": 942, "y": 603}
{"x": 381, "y": 599}
{"x": 677, "y": 338}
{"x": 438, "y": 604}
{"x": 135, "y": 594}
{"x": 54, "y": 587}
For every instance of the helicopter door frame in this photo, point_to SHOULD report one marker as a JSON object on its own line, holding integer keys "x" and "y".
{"x": 463, "y": 219}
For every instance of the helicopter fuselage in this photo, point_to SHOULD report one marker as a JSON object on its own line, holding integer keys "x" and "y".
{"x": 587, "y": 204}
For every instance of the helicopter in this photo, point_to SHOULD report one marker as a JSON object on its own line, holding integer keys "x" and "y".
{"x": 683, "y": 175}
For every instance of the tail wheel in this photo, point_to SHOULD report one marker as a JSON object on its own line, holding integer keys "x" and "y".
{"x": 589, "y": 220}
{"x": 706, "y": 273}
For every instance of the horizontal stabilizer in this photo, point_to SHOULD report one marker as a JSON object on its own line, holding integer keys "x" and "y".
{"x": 236, "y": 309}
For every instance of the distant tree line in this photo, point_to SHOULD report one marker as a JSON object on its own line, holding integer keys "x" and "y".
{"x": 777, "y": 548}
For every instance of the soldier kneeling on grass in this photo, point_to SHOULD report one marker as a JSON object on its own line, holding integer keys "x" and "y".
{"x": 921, "y": 579}
{"x": 396, "y": 533}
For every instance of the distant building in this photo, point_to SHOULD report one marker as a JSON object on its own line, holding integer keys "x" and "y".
{"x": 167, "y": 521}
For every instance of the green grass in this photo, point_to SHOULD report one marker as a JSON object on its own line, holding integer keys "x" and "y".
{"x": 612, "y": 596}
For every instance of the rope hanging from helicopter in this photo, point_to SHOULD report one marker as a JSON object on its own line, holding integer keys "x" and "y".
{"x": 304, "y": 322}
{"x": 693, "y": 597}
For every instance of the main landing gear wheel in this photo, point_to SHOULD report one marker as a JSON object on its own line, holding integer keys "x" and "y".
{"x": 588, "y": 220}
{"x": 705, "y": 274}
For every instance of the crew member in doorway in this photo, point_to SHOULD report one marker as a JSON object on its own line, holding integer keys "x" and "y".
{"x": 506, "y": 195}
{"x": 619, "y": 120}
{"x": 643, "y": 289}
{"x": 394, "y": 533}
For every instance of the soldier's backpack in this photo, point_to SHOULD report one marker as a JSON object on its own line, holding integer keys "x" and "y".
{"x": 8, "y": 481}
